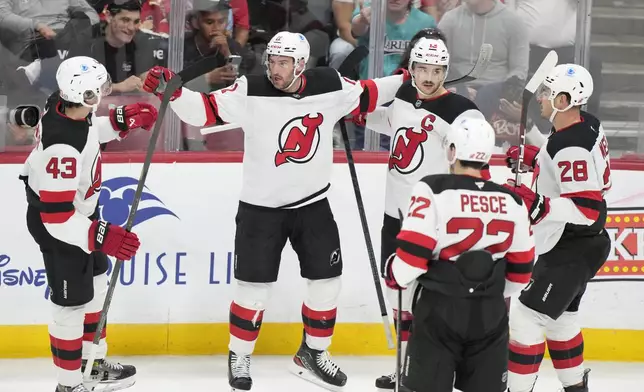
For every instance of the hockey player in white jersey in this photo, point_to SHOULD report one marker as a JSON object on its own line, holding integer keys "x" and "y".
{"x": 417, "y": 121}
{"x": 287, "y": 119}
{"x": 568, "y": 212}
{"x": 468, "y": 244}
{"x": 62, "y": 176}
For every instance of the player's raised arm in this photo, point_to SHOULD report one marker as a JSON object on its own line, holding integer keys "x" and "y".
{"x": 201, "y": 109}
{"x": 123, "y": 119}
{"x": 364, "y": 96}
{"x": 417, "y": 238}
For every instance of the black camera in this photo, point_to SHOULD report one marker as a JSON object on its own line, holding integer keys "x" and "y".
{"x": 24, "y": 116}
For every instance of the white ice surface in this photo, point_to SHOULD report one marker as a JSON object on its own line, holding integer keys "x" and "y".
{"x": 188, "y": 374}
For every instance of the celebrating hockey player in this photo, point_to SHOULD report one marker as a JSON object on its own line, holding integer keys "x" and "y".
{"x": 568, "y": 213}
{"x": 417, "y": 122}
{"x": 468, "y": 243}
{"x": 288, "y": 119}
{"x": 63, "y": 182}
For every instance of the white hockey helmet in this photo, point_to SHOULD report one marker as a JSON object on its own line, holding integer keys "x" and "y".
{"x": 572, "y": 79}
{"x": 83, "y": 80}
{"x": 294, "y": 45}
{"x": 429, "y": 51}
{"x": 473, "y": 139}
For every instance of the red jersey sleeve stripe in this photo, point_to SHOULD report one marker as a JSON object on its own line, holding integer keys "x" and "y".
{"x": 414, "y": 261}
{"x": 521, "y": 257}
{"x": 417, "y": 239}
{"x": 592, "y": 195}
{"x": 371, "y": 90}
{"x": 57, "y": 196}
{"x": 210, "y": 106}
{"x": 588, "y": 212}
{"x": 56, "y": 217}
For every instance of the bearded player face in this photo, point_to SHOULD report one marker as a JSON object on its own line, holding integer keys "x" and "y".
{"x": 281, "y": 70}
{"x": 428, "y": 78}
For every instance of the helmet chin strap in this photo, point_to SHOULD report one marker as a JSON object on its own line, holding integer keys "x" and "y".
{"x": 555, "y": 111}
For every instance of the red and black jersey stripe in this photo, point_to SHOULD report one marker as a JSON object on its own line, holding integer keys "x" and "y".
{"x": 525, "y": 359}
{"x": 519, "y": 266}
{"x": 567, "y": 354}
{"x": 245, "y": 323}
{"x": 56, "y": 206}
{"x": 67, "y": 354}
{"x": 318, "y": 323}
{"x": 415, "y": 248}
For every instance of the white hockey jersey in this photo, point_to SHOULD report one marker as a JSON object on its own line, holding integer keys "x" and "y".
{"x": 573, "y": 170}
{"x": 288, "y": 138}
{"x": 63, "y": 172}
{"x": 449, "y": 215}
{"x": 417, "y": 129}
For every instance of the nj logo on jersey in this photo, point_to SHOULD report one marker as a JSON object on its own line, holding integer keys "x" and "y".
{"x": 407, "y": 154}
{"x": 97, "y": 177}
{"x": 299, "y": 139}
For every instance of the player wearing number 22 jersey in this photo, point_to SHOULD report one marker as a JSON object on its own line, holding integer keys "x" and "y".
{"x": 568, "y": 213}
{"x": 288, "y": 120}
{"x": 468, "y": 243}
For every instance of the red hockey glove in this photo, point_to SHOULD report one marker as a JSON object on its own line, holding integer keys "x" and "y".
{"x": 538, "y": 205}
{"x": 529, "y": 158}
{"x": 112, "y": 240}
{"x": 128, "y": 117}
{"x": 404, "y": 72}
{"x": 156, "y": 81}
{"x": 485, "y": 173}
{"x": 390, "y": 279}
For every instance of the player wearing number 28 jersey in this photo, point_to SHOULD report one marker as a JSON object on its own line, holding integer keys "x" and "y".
{"x": 417, "y": 121}
{"x": 568, "y": 213}
{"x": 468, "y": 243}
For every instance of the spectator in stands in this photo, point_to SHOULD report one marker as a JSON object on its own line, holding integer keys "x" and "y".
{"x": 476, "y": 22}
{"x": 118, "y": 44}
{"x": 403, "y": 21}
{"x": 208, "y": 38}
{"x": 240, "y": 21}
{"x": 344, "y": 44}
{"x": 36, "y": 28}
{"x": 552, "y": 24}
{"x": 155, "y": 16}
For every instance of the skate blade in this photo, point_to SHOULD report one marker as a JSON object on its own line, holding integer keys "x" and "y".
{"x": 309, "y": 376}
{"x": 117, "y": 385}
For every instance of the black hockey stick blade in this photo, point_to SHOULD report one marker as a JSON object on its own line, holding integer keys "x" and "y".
{"x": 349, "y": 67}
{"x": 173, "y": 85}
{"x": 485, "y": 55}
{"x": 547, "y": 65}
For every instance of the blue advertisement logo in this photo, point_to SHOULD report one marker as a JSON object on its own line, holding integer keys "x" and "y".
{"x": 115, "y": 209}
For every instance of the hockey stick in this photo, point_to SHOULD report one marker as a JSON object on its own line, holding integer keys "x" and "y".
{"x": 547, "y": 65}
{"x": 485, "y": 55}
{"x": 399, "y": 325}
{"x": 171, "y": 86}
{"x": 347, "y": 67}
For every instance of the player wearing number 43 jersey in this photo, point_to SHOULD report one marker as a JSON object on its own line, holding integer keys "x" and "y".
{"x": 63, "y": 182}
{"x": 468, "y": 243}
{"x": 288, "y": 119}
{"x": 417, "y": 121}
{"x": 568, "y": 213}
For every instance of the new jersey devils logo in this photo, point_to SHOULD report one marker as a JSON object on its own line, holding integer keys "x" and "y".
{"x": 407, "y": 153}
{"x": 97, "y": 177}
{"x": 299, "y": 139}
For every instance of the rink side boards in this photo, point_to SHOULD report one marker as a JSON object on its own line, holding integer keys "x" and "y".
{"x": 174, "y": 298}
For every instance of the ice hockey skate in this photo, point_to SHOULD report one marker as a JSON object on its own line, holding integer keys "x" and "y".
{"x": 239, "y": 372}
{"x": 77, "y": 388}
{"x": 386, "y": 382}
{"x": 109, "y": 377}
{"x": 579, "y": 388}
{"x": 317, "y": 367}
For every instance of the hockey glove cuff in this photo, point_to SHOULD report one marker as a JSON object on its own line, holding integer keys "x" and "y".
{"x": 156, "y": 81}
{"x": 128, "y": 117}
{"x": 390, "y": 279}
{"x": 538, "y": 205}
{"x": 529, "y": 158}
{"x": 404, "y": 72}
{"x": 112, "y": 240}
